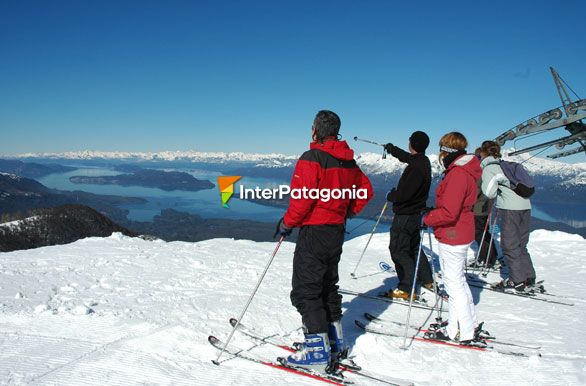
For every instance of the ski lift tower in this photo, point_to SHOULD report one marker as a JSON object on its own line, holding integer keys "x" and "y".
{"x": 569, "y": 115}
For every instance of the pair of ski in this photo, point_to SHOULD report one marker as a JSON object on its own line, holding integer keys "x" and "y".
{"x": 382, "y": 327}
{"x": 538, "y": 293}
{"x": 421, "y": 303}
{"x": 482, "y": 270}
{"x": 281, "y": 364}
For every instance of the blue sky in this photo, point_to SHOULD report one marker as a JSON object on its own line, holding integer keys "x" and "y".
{"x": 249, "y": 76}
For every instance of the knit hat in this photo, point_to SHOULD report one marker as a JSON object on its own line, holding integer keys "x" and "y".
{"x": 419, "y": 141}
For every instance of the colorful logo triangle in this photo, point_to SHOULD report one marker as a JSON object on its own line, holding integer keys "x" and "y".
{"x": 226, "y": 186}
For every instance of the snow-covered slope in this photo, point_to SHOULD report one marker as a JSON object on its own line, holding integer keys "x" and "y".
{"x": 123, "y": 311}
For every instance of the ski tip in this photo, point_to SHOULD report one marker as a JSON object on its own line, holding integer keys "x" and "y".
{"x": 212, "y": 339}
{"x": 369, "y": 316}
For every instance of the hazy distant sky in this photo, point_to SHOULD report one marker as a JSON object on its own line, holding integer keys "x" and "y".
{"x": 250, "y": 75}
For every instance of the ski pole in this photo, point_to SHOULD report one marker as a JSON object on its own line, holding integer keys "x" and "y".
{"x": 361, "y": 224}
{"x": 483, "y": 236}
{"x": 373, "y": 143}
{"x": 411, "y": 295}
{"x": 262, "y": 276}
{"x": 435, "y": 287}
{"x": 353, "y": 274}
{"x": 482, "y": 272}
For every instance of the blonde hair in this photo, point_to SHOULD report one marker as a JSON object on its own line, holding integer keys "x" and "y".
{"x": 452, "y": 142}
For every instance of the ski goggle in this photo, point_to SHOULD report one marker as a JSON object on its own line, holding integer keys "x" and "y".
{"x": 448, "y": 149}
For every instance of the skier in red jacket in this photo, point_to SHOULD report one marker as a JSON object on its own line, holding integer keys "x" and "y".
{"x": 453, "y": 224}
{"x": 328, "y": 166}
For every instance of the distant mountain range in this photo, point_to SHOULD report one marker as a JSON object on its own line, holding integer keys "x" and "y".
{"x": 556, "y": 182}
{"x": 371, "y": 163}
{"x": 192, "y": 156}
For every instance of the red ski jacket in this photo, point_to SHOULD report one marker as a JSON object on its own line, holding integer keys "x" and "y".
{"x": 453, "y": 218}
{"x": 328, "y": 165}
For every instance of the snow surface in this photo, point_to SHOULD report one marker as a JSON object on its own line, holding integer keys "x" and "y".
{"x": 120, "y": 310}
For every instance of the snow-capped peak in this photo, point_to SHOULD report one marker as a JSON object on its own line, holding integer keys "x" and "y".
{"x": 371, "y": 163}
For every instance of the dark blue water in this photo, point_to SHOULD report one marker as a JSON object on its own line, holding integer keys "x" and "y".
{"x": 571, "y": 214}
{"x": 207, "y": 204}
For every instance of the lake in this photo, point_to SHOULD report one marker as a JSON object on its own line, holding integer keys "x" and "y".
{"x": 206, "y": 203}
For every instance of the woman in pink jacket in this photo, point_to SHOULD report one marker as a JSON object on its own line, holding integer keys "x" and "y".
{"x": 453, "y": 225}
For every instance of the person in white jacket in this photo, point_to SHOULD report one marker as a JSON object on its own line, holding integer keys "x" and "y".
{"x": 515, "y": 218}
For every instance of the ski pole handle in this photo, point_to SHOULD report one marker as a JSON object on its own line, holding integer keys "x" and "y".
{"x": 368, "y": 141}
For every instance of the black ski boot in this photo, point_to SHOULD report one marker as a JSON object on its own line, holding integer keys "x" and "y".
{"x": 441, "y": 335}
{"x": 506, "y": 284}
{"x": 480, "y": 343}
{"x": 437, "y": 335}
{"x": 438, "y": 325}
{"x": 480, "y": 334}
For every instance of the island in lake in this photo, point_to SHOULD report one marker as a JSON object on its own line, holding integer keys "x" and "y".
{"x": 149, "y": 178}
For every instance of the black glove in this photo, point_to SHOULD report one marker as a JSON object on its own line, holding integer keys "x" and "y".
{"x": 392, "y": 195}
{"x": 282, "y": 229}
{"x": 426, "y": 210}
{"x": 388, "y": 147}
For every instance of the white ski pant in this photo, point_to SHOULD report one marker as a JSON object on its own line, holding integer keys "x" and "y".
{"x": 462, "y": 314}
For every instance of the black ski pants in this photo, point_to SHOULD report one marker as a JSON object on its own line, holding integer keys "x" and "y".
{"x": 404, "y": 245}
{"x": 315, "y": 276}
{"x": 484, "y": 245}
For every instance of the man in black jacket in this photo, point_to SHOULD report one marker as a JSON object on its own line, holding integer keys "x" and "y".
{"x": 409, "y": 200}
